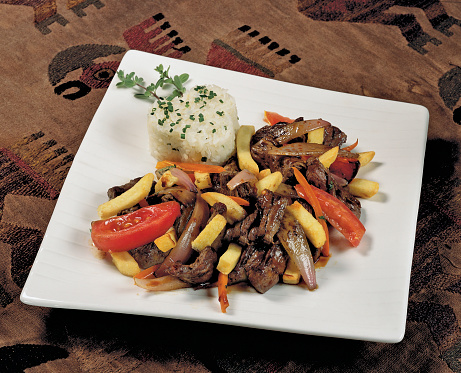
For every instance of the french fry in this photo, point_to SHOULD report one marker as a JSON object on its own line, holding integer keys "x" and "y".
{"x": 329, "y": 156}
{"x": 311, "y": 227}
{"x": 270, "y": 182}
{"x": 209, "y": 234}
{"x": 244, "y": 157}
{"x": 263, "y": 173}
{"x": 229, "y": 259}
{"x": 292, "y": 275}
{"x": 363, "y": 188}
{"x": 166, "y": 241}
{"x": 127, "y": 199}
{"x": 234, "y": 212}
{"x": 167, "y": 180}
{"x": 315, "y": 136}
{"x": 125, "y": 263}
{"x": 366, "y": 157}
{"x": 202, "y": 180}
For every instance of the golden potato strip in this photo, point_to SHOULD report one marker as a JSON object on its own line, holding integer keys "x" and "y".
{"x": 312, "y": 228}
{"x": 363, "y": 188}
{"x": 167, "y": 180}
{"x": 167, "y": 241}
{"x": 292, "y": 275}
{"x": 125, "y": 263}
{"x": 209, "y": 234}
{"x": 244, "y": 157}
{"x": 229, "y": 259}
{"x": 264, "y": 173}
{"x": 234, "y": 212}
{"x": 270, "y": 182}
{"x": 128, "y": 199}
{"x": 329, "y": 156}
{"x": 366, "y": 157}
{"x": 316, "y": 136}
{"x": 202, "y": 180}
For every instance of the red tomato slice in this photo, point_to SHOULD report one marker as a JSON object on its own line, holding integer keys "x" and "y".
{"x": 340, "y": 217}
{"x": 129, "y": 231}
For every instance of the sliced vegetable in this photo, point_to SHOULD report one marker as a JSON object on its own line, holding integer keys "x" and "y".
{"x": 240, "y": 201}
{"x": 209, "y": 234}
{"x": 183, "y": 249}
{"x": 183, "y": 179}
{"x": 292, "y": 274}
{"x": 270, "y": 182}
{"x": 126, "y": 232}
{"x": 316, "y": 136}
{"x": 329, "y": 157}
{"x": 147, "y": 273}
{"x": 165, "y": 283}
{"x": 222, "y": 291}
{"x": 166, "y": 241}
{"x": 234, "y": 212}
{"x": 294, "y": 241}
{"x": 363, "y": 188}
{"x": 125, "y": 263}
{"x": 192, "y": 167}
{"x": 366, "y": 157}
{"x": 243, "y": 176}
{"x": 352, "y": 146}
{"x": 297, "y": 129}
{"x": 242, "y": 142}
{"x": 345, "y": 168}
{"x": 312, "y": 228}
{"x": 271, "y": 117}
{"x": 305, "y": 191}
{"x": 229, "y": 259}
{"x": 340, "y": 217}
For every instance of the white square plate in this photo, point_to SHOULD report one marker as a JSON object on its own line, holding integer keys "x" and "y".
{"x": 363, "y": 291}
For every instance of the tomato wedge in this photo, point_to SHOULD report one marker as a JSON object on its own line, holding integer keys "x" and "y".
{"x": 129, "y": 231}
{"x": 340, "y": 217}
{"x": 272, "y": 118}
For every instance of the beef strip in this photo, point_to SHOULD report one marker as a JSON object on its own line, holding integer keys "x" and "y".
{"x": 148, "y": 255}
{"x": 241, "y": 229}
{"x": 199, "y": 271}
{"x": 264, "y": 267}
{"x": 273, "y": 207}
{"x": 333, "y": 136}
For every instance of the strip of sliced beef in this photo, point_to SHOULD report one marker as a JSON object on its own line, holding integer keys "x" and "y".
{"x": 199, "y": 271}
{"x": 273, "y": 207}
{"x": 264, "y": 267}
{"x": 241, "y": 230}
{"x": 333, "y": 136}
{"x": 148, "y": 255}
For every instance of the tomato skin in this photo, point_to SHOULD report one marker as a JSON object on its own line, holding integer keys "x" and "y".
{"x": 340, "y": 217}
{"x": 129, "y": 231}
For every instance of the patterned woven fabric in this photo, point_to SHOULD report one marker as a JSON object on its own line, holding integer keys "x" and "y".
{"x": 58, "y": 57}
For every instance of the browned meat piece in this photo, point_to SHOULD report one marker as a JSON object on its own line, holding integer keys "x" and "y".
{"x": 241, "y": 230}
{"x": 199, "y": 271}
{"x": 263, "y": 268}
{"x": 148, "y": 255}
{"x": 117, "y": 190}
{"x": 333, "y": 136}
{"x": 273, "y": 207}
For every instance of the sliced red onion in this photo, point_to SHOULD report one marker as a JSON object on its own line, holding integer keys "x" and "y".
{"x": 242, "y": 177}
{"x": 300, "y": 148}
{"x": 339, "y": 180}
{"x": 297, "y": 129}
{"x": 294, "y": 241}
{"x": 183, "y": 179}
{"x": 183, "y": 249}
{"x": 165, "y": 283}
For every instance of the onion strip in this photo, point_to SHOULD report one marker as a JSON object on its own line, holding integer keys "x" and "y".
{"x": 299, "y": 128}
{"x": 243, "y": 176}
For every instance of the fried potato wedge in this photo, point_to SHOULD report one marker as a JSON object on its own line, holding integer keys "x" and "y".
{"x": 366, "y": 157}
{"x": 270, "y": 182}
{"x": 264, "y": 173}
{"x": 125, "y": 263}
{"x": 229, "y": 259}
{"x": 316, "y": 136}
{"x": 292, "y": 275}
{"x": 311, "y": 227}
{"x": 209, "y": 234}
{"x": 234, "y": 212}
{"x": 329, "y": 156}
{"x": 363, "y": 188}
{"x": 166, "y": 241}
{"x": 202, "y": 180}
{"x": 244, "y": 157}
{"x": 167, "y": 180}
{"x": 127, "y": 199}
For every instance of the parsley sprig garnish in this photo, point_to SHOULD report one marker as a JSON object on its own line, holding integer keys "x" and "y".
{"x": 131, "y": 80}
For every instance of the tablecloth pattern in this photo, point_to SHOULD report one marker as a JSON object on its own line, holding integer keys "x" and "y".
{"x": 58, "y": 57}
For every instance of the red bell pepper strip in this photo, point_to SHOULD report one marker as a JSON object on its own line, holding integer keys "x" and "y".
{"x": 340, "y": 217}
{"x": 272, "y": 118}
{"x": 222, "y": 291}
{"x": 191, "y": 167}
{"x": 305, "y": 191}
{"x": 352, "y": 146}
{"x": 129, "y": 231}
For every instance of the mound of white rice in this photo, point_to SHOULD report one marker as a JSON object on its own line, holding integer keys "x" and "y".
{"x": 199, "y": 127}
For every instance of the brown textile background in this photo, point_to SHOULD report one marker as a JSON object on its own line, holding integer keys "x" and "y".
{"x": 57, "y": 58}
